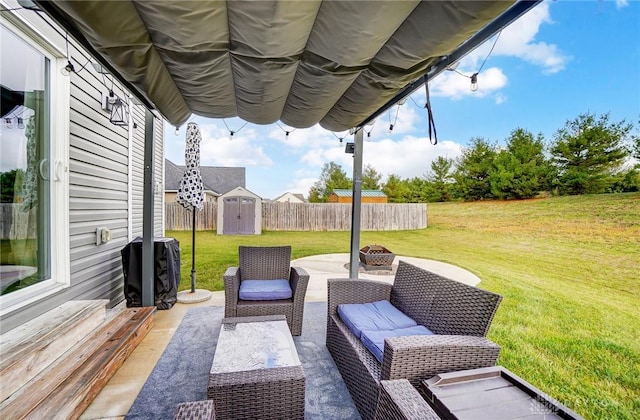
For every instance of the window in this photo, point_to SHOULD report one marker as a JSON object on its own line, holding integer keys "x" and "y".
{"x": 33, "y": 182}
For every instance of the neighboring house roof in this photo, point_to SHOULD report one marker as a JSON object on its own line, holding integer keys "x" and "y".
{"x": 215, "y": 178}
{"x": 365, "y": 193}
{"x": 298, "y": 196}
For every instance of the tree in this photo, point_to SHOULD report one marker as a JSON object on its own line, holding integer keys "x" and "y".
{"x": 519, "y": 170}
{"x": 587, "y": 152}
{"x": 332, "y": 177}
{"x": 396, "y": 189}
{"x": 370, "y": 178}
{"x": 439, "y": 180}
{"x": 473, "y": 170}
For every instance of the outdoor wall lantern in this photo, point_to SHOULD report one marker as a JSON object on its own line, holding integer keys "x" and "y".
{"x": 350, "y": 148}
{"x": 119, "y": 113}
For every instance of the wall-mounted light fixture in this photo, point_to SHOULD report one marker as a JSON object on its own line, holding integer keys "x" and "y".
{"x": 119, "y": 113}
{"x": 350, "y": 148}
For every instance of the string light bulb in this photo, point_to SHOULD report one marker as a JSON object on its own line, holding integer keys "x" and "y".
{"x": 286, "y": 134}
{"x": 68, "y": 69}
{"x": 20, "y": 122}
{"x": 474, "y": 82}
{"x": 231, "y": 133}
{"x": 112, "y": 97}
{"x": 177, "y": 132}
{"x": 390, "y": 130}
{"x": 8, "y": 122}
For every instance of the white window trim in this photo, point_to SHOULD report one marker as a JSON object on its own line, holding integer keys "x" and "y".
{"x": 59, "y": 155}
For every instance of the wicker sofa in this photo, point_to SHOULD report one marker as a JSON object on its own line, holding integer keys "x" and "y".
{"x": 458, "y": 314}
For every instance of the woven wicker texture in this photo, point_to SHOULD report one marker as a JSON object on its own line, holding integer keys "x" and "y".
{"x": 441, "y": 304}
{"x": 399, "y": 400}
{"x": 266, "y": 263}
{"x": 195, "y": 410}
{"x": 276, "y": 393}
{"x": 415, "y": 357}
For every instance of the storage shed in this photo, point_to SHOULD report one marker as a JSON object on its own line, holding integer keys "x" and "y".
{"x": 239, "y": 213}
{"x": 368, "y": 196}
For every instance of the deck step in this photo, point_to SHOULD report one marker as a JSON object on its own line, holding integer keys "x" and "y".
{"x": 29, "y": 349}
{"x": 69, "y": 385}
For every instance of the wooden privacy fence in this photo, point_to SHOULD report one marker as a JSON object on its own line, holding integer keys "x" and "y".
{"x": 15, "y": 223}
{"x": 177, "y": 217}
{"x": 310, "y": 217}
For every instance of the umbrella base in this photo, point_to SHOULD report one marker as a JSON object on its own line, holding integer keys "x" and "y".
{"x": 200, "y": 295}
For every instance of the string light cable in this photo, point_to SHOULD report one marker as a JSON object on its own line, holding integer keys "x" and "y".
{"x": 286, "y": 132}
{"x": 474, "y": 76}
{"x": 232, "y": 132}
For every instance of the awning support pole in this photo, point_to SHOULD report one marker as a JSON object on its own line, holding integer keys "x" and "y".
{"x": 147, "y": 292}
{"x": 354, "y": 267}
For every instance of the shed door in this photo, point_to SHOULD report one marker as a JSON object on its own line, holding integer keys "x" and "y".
{"x": 239, "y": 216}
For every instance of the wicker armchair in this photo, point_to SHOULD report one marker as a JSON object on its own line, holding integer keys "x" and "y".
{"x": 266, "y": 263}
{"x": 459, "y": 315}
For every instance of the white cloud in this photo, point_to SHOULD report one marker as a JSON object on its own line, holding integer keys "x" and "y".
{"x": 500, "y": 98}
{"x": 518, "y": 40}
{"x": 455, "y": 86}
{"x": 621, "y": 3}
{"x": 409, "y": 157}
{"x": 217, "y": 150}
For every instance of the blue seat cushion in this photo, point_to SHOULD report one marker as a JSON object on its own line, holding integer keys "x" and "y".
{"x": 265, "y": 289}
{"x": 374, "y": 316}
{"x": 374, "y": 340}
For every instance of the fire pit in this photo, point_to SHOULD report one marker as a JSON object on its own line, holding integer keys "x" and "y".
{"x": 376, "y": 255}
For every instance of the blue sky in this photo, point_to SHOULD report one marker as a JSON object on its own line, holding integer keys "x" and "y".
{"x": 560, "y": 60}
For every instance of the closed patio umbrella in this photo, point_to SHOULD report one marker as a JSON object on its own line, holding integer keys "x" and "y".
{"x": 191, "y": 197}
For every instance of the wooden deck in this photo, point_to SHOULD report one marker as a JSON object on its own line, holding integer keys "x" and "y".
{"x": 59, "y": 362}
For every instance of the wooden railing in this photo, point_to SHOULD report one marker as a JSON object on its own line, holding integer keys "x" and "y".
{"x": 310, "y": 217}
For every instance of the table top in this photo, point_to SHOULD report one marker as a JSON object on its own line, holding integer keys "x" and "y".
{"x": 491, "y": 393}
{"x": 253, "y": 343}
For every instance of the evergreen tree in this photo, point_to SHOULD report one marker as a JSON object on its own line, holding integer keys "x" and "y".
{"x": 439, "y": 180}
{"x": 520, "y": 169}
{"x": 396, "y": 189}
{"x": 370, "y": 178}
{"x": 473, "y": 170}
{"x": 587, "y": 152}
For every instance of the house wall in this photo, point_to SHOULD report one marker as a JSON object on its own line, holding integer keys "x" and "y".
{"x": 137, "y": 174}
{"x": 99, "y": 186}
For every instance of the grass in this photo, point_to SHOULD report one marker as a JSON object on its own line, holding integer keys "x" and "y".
{"x": 567, "y": 267}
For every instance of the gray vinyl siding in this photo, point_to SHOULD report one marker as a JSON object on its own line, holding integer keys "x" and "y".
{"x": 99, "y": 180}
{"x": 137, "y": 174}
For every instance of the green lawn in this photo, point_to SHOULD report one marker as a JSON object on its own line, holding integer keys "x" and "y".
{"x": 568, "y": 269}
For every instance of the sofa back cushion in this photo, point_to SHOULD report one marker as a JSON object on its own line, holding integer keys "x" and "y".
{"x": 443, "y": 305}
{"x": 265, "y": 262}
{"x": 374, "y": 316}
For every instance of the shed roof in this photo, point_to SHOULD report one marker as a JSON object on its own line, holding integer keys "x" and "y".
{"x": 214, "y": 178}
{"x": 339, "y": 63}
{"x": 365, "y": 193}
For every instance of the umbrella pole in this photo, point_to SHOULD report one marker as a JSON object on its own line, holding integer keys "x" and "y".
{"x": 193, "y": 251}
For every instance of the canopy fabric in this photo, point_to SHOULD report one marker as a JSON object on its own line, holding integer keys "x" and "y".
{"x": 301, "y": 62}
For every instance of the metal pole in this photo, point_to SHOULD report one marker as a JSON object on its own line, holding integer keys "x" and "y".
{"x": 193, "y": 251}
{"x": 354, "y": 267}
{"x": 147, "y": 290}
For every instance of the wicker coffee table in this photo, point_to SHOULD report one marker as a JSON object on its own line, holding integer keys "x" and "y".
{"x": 256, "y": 372}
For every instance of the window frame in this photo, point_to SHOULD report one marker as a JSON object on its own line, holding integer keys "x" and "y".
{"x": 59, "y": 133}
